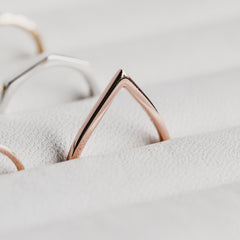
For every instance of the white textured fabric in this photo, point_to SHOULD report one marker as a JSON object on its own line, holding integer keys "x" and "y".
{"x": 79, "y": 187}
{"x": 196, "y": 46}
{"x": 209, "y": 214}
{"x": 188, "y": 108}
{"x": 174, "y": 40}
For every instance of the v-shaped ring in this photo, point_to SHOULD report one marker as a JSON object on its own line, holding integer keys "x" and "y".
{"x": 120, "y": 80}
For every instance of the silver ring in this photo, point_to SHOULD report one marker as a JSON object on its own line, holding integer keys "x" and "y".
{"x": 8, "y": 88}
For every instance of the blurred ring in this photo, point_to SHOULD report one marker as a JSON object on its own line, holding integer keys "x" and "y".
{"x": 20, "y": 21}
{"x": 7, "y": 152}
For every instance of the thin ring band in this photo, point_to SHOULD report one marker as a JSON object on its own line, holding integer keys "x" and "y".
{"x": 20, "y": 21}
{"x": 7, "y": 152}
{"x": 52, "y": 60}
{"x": 120, "y": 80}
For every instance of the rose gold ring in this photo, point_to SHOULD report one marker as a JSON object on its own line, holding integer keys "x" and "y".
{"x": 20, "y": 21}
{"x": 7, "y": 152}
{"x": 120, "y": 80}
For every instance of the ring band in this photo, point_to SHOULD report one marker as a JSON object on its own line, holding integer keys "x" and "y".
{"x": 7, "y": 152}
{"x": 120, "y": 80}
{"x": 52, "y": 60}
{"x": 20, "y": 21}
